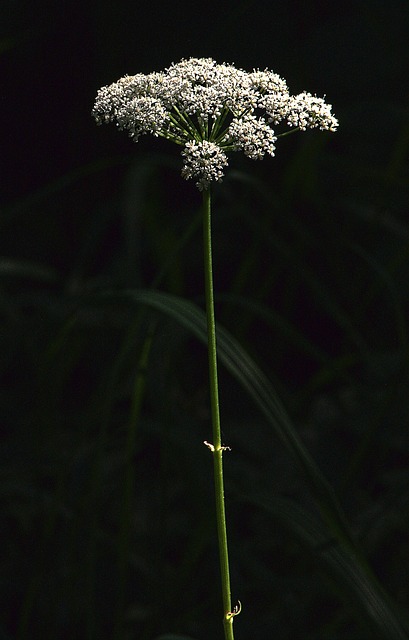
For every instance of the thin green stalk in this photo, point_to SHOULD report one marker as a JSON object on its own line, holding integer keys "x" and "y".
{"x": 216, "y": 448}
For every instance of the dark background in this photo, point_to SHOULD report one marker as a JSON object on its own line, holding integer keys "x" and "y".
{"x": 311, "y": 274}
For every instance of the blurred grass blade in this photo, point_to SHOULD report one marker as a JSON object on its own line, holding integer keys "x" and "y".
{"x": 27, "y": 270}
{"x": 350, "y": 563}
{"x": 278, "y": 323}
{"x": 365, "y": 595}
{"x": 252, "y": 379}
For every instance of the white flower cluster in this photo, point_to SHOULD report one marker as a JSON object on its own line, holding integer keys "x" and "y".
{"x": 253, "y": 135}
{"x": 205, "y": 160}
{"x": 209, "y": 109}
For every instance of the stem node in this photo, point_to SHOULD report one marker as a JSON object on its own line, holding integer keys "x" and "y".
{"x": 213, "y": 448}
{"x": 235, "y": 612}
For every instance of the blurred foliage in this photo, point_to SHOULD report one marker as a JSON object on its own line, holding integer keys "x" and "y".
{"x": 107, "y": 497}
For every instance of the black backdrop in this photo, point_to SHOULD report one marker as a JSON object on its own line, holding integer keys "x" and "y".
{"x": 56, "y": 55}
{"x": 65, "y": 228}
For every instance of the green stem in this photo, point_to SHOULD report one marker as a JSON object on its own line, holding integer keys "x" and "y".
{"x": 216, "y": 448}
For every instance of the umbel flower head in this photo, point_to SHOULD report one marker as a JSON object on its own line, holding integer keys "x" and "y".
{"x": 210, "y": 109}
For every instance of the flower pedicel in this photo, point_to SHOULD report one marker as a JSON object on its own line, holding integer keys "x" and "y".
{"x": 210, "y": 109}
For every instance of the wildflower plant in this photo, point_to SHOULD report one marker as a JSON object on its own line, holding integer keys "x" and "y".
{"x": 210, "y": 110}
